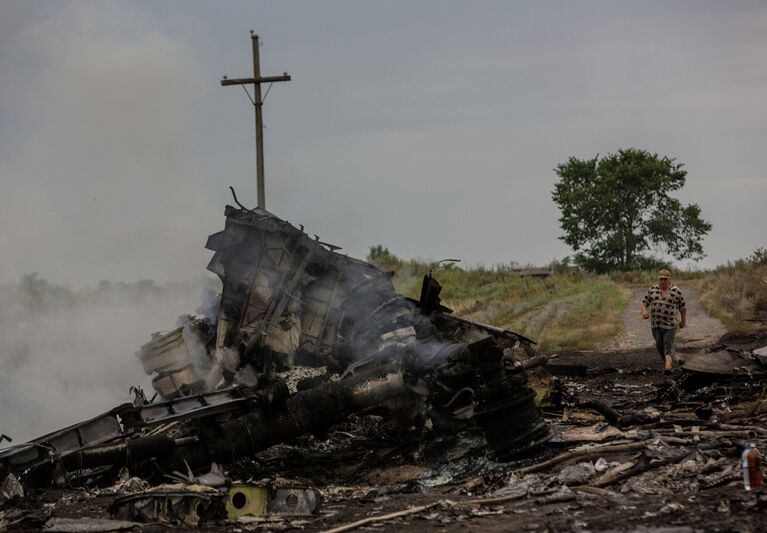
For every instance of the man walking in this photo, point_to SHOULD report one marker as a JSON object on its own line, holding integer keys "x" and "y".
{"x": 660, "y": 305}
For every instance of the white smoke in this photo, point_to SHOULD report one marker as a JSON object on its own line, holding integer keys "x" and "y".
{"x": 98, "y": 167}
{"x": 98, "y": 180}
{"x": 66, "y": 356}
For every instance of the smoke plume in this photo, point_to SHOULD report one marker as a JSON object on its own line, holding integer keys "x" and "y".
{"x": 66, "y": 356}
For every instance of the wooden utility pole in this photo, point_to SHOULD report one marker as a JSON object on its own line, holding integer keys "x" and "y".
{"x": 258, "y": 103}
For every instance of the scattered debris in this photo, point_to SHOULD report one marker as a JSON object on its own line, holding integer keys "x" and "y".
{"x": 215, "y": 478}
{"x": 578, "y": 474}
{"x": 311, "y": 371}
{"x": 189, "y": 505}
{"x": 385, "y": 517}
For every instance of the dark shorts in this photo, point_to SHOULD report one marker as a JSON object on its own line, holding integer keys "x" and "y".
{"x": 664, "y": 341}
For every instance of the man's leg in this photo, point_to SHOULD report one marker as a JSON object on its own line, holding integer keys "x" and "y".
{"x": 657, "y": 333}
{"x": 668, "y": 344}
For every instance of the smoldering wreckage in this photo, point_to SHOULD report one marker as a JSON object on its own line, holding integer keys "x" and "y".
{"x": 313, "y": 396}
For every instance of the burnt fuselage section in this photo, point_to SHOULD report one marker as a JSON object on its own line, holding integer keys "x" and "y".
{"x": 289, "y": 300}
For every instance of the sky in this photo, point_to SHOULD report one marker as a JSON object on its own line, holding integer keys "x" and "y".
{"x": 430, "y": 127}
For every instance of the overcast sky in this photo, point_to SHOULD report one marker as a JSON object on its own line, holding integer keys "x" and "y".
{"x": 430, "y": 127}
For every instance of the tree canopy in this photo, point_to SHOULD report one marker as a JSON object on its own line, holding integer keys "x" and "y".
{"x": 616, "y": 208}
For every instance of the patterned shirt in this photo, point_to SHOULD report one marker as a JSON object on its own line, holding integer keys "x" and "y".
{"x": 663, "y": 310}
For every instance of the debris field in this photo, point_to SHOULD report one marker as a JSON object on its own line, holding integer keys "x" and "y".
{"x": 309, "y": 395}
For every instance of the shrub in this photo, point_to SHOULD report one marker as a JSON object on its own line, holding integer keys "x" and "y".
{"x": 381, "y": 257}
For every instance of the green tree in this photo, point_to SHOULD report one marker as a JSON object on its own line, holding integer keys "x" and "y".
{"x": 616, "y": 208}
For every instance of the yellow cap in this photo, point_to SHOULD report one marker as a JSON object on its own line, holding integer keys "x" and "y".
{"x": 663, "y": 273}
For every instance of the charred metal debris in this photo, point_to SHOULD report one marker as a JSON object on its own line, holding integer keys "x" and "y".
{"x": 300, "y": 338}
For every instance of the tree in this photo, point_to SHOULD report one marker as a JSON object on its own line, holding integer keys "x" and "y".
{"x": 616, "y": 208}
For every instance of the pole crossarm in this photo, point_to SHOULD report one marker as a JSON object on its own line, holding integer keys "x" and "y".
{"x": 249, "y": 81}
{"x": 258, "y": 104}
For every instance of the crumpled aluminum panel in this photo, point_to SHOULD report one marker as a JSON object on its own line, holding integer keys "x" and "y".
{"x": 171, "y": 504}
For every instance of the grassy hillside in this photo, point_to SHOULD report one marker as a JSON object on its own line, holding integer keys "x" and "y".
{"x": 567, "y": 311}
{"x": 574, "y": 310}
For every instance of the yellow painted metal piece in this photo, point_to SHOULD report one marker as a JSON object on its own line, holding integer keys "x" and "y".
{"x": 246, "y": 500}
{"x": 540, "y": 381}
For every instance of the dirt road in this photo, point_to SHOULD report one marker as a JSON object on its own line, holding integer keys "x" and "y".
{"x": 634, "y": 347}
{"x": 701, "y": 330}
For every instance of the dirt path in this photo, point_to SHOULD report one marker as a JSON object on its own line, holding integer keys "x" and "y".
{"x": 634, "y": 347}
{"x": 701, "y": 330}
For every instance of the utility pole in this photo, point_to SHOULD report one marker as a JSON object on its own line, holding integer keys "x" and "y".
{"x": 258, "y": 103}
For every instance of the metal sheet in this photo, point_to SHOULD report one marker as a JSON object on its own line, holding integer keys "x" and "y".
{"x": 722, "y": 362}
{"x": 100, "y": 429}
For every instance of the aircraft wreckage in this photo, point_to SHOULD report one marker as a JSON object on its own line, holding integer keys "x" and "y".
{"x": 302, "y": 337}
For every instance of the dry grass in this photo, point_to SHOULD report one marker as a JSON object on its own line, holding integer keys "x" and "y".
{"x": 737, "y": 295}
{"x": 569, "y": 310}
{"x": 573, "y": 310}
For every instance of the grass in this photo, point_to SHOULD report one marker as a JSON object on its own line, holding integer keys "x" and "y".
{"x": 569, "y": 310}
{"x": 736, "y": 294}
{"x": 574, "y": 310}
